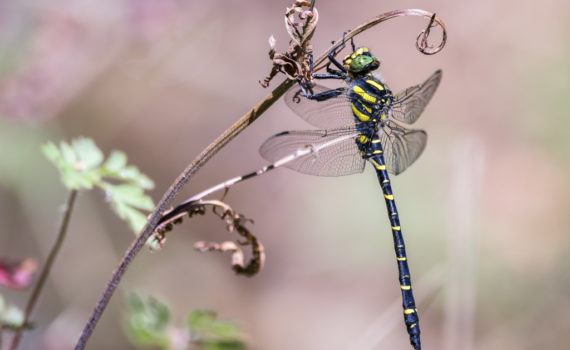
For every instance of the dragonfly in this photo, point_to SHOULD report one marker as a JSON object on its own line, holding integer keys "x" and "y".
{"x": 361, "y": 121}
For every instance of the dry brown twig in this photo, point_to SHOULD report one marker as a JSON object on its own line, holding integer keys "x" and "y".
{"x": 294, "y": 63}
{"x": 234, "y": 223}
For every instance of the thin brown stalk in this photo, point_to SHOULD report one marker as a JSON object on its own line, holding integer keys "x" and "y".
{"x": 46, "y": 269}
{"x": 393, "y": 14}
{"x": 199, "y": 161}
{"x": 147, "y": 231}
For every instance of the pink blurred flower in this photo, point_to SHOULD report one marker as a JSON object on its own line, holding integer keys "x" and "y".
{"x": 17, "y": 274}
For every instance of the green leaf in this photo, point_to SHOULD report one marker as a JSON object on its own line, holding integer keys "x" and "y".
{"x": 81, "y": 167}
{"x": 88, "y": 154}
{"x": 65, "y": 161}
{"x": 116, "y": 167}
{"x": 222, "y": 345}
{"x": 117, "y": 160}
{"x": 135, "y": 218}
{"x": 131, "y": 195}
{"x": 68, "y": 154}
{"x": 200, "y": 319}
{"x": 51, "y": 152}
{"x": 147, "y": 321}
{"x": 133, "y": 174}
{"x": 211, "y": 334}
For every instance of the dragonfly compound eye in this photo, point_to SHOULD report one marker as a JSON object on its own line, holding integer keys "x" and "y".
{"x": 363, "y": 62}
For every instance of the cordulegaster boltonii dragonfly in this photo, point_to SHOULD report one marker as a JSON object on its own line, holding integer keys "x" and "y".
{"x": 361, "y": 122}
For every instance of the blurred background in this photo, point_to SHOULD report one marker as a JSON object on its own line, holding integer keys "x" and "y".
{"x": 485, "y": 210}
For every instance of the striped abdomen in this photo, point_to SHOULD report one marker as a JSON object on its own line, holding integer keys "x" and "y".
{"x": 376, "y": 157}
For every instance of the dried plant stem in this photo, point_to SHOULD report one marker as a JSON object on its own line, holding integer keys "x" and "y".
{"x": 47, "y": 268}
{"x": 389, "y": 15}
{"x": 136, "y": 246}
{"x": 210, "y": 151}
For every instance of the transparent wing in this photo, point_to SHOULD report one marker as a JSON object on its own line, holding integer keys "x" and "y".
{"x": 327, "y": 114}
{"x": 335, "y": 151}
{"x": 401, "y": 146}
{"x": 410, "y": 103}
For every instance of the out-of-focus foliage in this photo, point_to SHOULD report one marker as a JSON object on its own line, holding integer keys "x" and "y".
{"x": 10, "y": 316}
{"x": 81, "y": 167}
{"x": 147, "y": 321}
{"x": 209, "y": 333}
{"x": 147, "y": 324}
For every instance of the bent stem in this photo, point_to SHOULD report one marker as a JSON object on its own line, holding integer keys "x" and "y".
{"x": 149, "y": 228}
{"x": 208, "y": 153}
{"x": 47, "y": 268}
{"x": 421, "y": 41}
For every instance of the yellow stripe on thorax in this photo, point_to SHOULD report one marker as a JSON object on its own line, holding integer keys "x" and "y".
{"x": 405, "y": 287}
{"x": 409, "y": 311}
{"x": 375, "y": 84}
{"x": 361, "y": 116}
{"x": 365, "y": 96}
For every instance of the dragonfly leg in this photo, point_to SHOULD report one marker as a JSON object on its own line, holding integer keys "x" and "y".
{"x": 332, "y": 73}
{"x": 333, "y": 53}
{"x": 322, "y": 96}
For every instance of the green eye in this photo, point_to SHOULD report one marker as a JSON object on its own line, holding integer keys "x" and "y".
{"x": 360, "y": 62}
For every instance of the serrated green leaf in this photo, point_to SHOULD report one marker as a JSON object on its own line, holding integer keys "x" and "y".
{"x": 131, "y": 173}
{"x": 68, "y": 154}
{"x": 117, "y": 160}
{"x": 73, "y": 180}
{"x": 225, "y": 330}
{"x": 70, "y": 177}
{"x": 51, "y": 152}
{"x": 199, "y": 319}
{"x": 210, "y": 333}
{"x": 132, "y": 195}
{"x": 221, "y": 345}
{"x": 147, "y": 321}
{"x": 88, "y": 154}
{"x": 81, "y": 167}
{"x": 135, "y": 218}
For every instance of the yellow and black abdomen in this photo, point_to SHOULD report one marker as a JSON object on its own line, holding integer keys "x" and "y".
{"x": 370, "y": 99}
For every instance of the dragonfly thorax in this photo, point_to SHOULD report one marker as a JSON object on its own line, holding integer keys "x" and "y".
{"x": 370, "y": 99}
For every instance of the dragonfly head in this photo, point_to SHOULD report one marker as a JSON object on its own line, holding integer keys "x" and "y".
{"x": 361, "y": 61}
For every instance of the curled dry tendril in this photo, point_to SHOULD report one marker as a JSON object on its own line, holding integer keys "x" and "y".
{"x": 294, "y": 62}
{"x": 234, "y": 223}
